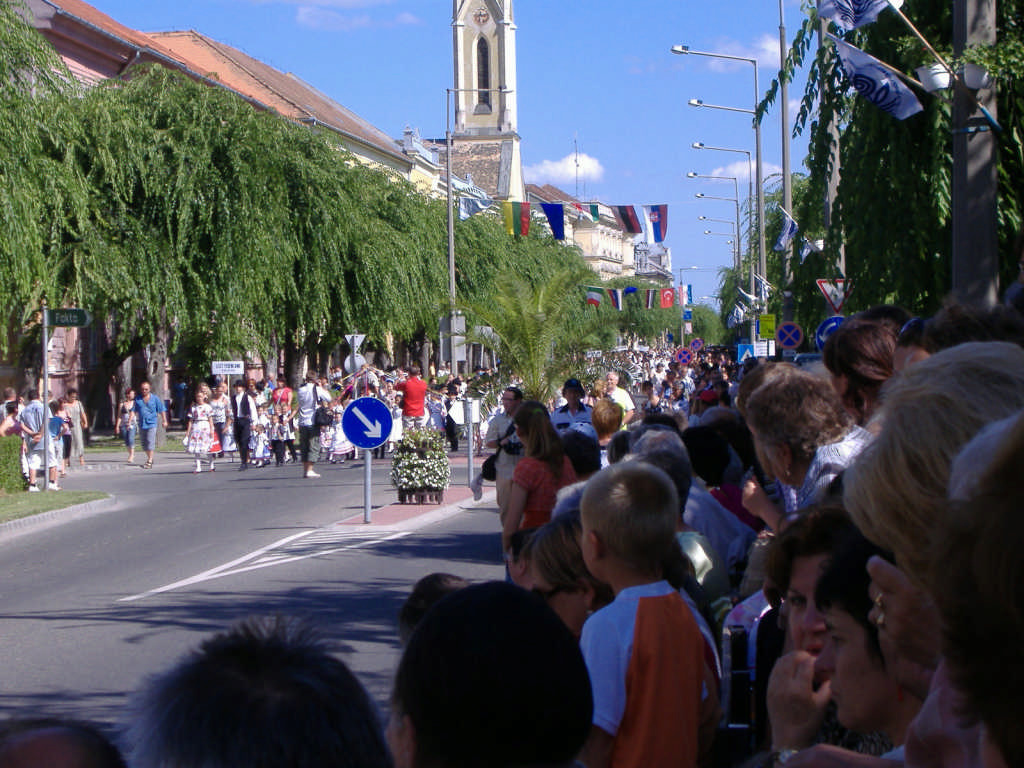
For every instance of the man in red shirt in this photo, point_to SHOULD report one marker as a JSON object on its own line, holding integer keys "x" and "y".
{"x": 414, "y": 395}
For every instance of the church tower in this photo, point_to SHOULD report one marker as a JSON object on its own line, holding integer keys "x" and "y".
{"x": 484, "y": 131}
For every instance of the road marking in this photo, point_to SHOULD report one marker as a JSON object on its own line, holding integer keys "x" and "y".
{"x": 321, "y": 542}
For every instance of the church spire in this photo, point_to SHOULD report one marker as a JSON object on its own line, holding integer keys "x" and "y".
{"x": 484, "y": 34}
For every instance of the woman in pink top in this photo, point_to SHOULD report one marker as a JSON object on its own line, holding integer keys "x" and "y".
{"x": 537, "y": 477}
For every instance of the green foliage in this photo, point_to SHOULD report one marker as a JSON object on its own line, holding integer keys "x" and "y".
{"x": 11, "y": 479}
{"x": 893, "y": 204}
{"x": 709, "y": 326}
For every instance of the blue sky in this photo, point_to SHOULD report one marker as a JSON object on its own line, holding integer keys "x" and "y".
{"x": 599, "y": 72}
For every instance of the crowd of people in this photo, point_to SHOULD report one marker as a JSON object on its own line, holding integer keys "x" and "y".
{"x": 716, "y": 564}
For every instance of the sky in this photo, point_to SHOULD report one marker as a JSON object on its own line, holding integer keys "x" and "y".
{"x": 596, "y": 78}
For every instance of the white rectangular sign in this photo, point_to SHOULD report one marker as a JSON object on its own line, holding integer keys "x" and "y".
{"x": 227, "y": 367}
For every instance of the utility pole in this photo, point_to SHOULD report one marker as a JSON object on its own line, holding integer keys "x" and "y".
{"x": 787, "y": 181}
{"x": 975, "y": 241}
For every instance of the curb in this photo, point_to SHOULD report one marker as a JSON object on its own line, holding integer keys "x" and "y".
{"x": 13, "y": 528}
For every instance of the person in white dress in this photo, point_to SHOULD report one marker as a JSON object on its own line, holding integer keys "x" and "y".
{"x": 199, "y": 432}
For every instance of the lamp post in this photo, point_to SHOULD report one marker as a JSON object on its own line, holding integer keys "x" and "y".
{"x": 686, "y": 50}
{"x": 750, "y": 181}
{"x": 449, "y": 92}
{"x": 736, "y": 199}
{"x": 787, "y": 189}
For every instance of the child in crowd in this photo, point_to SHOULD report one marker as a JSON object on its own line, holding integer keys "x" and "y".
{"x": 259, "y": 444}
{"x": 655, "y": 701}
{"x": 276, "y": 433}
{"x": 341, "y": 447}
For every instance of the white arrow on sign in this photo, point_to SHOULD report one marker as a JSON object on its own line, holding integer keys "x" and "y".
{"x": 373, "y": 429}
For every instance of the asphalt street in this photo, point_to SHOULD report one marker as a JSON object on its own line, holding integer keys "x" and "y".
{"x": 91, "y": 605}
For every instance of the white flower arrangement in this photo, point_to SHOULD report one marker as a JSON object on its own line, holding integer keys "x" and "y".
{"x": 420, "y": 462}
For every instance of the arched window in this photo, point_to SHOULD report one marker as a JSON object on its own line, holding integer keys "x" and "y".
{"x": 483, "y": 73}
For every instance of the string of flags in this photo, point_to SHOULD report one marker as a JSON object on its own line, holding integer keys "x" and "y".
{"x": 653, "y": 223}
{"x": 655, "y": 298}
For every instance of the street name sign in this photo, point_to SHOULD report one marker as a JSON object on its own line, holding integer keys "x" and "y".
{"x": 70, "y": 317}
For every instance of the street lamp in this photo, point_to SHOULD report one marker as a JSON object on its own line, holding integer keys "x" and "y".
{"x": 736, "y": 192}
{"x": 750, "y": 180}
{"x": 686, "y": 50}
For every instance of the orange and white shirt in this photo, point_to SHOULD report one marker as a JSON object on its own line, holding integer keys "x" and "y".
{"x": 645, "y": 655}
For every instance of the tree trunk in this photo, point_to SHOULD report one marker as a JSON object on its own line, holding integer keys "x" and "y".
{"x": 156, "y": 372}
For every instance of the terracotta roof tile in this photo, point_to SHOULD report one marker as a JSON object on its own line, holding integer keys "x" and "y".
{"x": 283, "y": 92}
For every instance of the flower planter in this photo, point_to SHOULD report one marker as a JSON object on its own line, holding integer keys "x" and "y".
{"x": 419, "y": 467}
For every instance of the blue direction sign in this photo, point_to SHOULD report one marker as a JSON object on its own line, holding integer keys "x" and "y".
{"x": 366, "y": 422}
{"x": 789, "y": 335}
{"x": 687, "y": 314}
{"x": 826, "y": 329}
{"x": 697, "y": 345}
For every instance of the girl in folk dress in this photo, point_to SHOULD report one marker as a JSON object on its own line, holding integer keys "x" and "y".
{"x": 341, "y": 447}
{"x": 221, "y": 405}
{"x": 200, "y": 435}
{"x": 259, "y": 444}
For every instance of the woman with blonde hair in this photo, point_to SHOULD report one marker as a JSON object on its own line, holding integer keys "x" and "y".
{"x": 538, "y": 476}
{"x": 896, "y": 494}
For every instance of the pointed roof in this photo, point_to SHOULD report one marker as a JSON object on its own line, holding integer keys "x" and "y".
{"x": 285, "y": 93}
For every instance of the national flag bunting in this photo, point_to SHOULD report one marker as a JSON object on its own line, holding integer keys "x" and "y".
{"x": 652, "y": 297}
{"x": 655, "y": 222}
{"x": 595, "y": 212}
{"x": 668, "y": 298}
{"x": 789, "y": 230}
{"x": 682, "y": 296}
{"x": 615, "y": 296}
{"x": 517, "y": 218}
{"x": 876, "y": 82}
{"x": 626, "y": 216}
{"x": 764, "y": 288}
{"x": 850, "y": 14}
{"x": 468, "y": 206}
{"x": 594, "y": 295}
{"x": 556, "y": 218}
{"x": 735, "y": 317}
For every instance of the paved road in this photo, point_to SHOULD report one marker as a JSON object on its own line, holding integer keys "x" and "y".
{"x": 92, "y": 605}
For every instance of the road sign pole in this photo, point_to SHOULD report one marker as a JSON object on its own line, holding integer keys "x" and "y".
{"x": 46, "y": 402}
{"x": 467, "y": 411}
{"x": 367, "y": 483}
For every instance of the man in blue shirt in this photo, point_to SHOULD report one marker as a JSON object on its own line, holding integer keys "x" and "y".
{"x": 151, "y": 412}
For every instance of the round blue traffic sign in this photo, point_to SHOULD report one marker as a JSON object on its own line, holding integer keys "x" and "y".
{"x": 789, "y": 335}
{"x": 367, "y": 422}
{"x": 697, "y": 345}
{"x": 826, "y": 329}
{"x": 684, "y": 356}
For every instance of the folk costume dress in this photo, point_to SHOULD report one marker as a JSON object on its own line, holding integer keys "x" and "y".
{"x": 200, "y": 435}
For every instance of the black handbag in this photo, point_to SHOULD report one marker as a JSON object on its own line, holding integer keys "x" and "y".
{"x": 489, "y": 470}
{"x": 323, "y": 417}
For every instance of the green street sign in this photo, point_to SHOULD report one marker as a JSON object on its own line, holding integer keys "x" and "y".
{"x": 71, "y": 317}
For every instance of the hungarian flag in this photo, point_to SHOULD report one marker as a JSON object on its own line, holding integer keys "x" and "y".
{"x": 556, "y": 218}
{"x": 594, "y": 295}
{"x": 652, "y": 295}
{"x": 615, "y": 296}
{"x": 668, "y": 297}
{"x": 656, "y": 220}
{"x": 627, "y": 218}
{"x": 595, "y": 214}
{"x": 517, "y": 218}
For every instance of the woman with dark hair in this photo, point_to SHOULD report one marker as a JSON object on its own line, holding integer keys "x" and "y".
{"x": 538, "y": 476}
{"x": 859, "y": 357}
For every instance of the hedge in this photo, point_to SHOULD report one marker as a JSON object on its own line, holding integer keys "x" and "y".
{"x": 11, "y": 479}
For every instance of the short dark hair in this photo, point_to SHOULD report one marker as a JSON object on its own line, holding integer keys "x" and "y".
{"x": 425, "y": 593}
{"x": 583, "y": 451}
{"x": 844, "y": 581}
{"x": 517, "y": 393}
{"x": 265, "y": 693}
{"x": 816, "y": 532}
{"x": 491, "y": 670}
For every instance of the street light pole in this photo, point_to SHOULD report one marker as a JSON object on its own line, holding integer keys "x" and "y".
{"x": 736, "y": 199}
{"x": 787, "y": 188}
{"x": 685, "y": 50}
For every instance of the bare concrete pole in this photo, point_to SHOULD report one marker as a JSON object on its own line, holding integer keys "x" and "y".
{"x": 975, "y": 241}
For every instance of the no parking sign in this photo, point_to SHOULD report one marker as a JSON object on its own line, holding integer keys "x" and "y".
{"x": 789, "y": 335}
{"x": 684, "y": 356}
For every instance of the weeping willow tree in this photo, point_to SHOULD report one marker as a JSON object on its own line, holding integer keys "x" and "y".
{"x": 892, "y": 207}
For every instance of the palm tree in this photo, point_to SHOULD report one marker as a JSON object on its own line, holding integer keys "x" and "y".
{"x": 534, "y": 324}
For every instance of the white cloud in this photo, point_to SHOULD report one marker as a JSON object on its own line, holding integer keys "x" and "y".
{"x": 738, "y": 170}
{"x": 765, "y": 50}
{"x": 320, "y": 17}
{"x": 565, "y": 170}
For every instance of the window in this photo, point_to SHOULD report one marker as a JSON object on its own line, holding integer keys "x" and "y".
{"x": 483, "y": 73}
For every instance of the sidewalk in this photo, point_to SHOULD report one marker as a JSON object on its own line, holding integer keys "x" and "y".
{"x": 393, "y": 516}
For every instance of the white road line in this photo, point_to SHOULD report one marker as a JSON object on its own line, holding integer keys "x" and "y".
{"x": 232, "y": 568}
